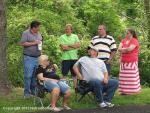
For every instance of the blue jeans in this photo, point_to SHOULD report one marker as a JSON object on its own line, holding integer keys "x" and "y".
{"x": 99, "y": 89}
{"x": 30, "y": 65}
{"x": 108, "y": 66}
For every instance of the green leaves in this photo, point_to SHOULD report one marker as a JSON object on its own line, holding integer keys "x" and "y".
{"x": 84, "y": 15}
{"x": 101, "y": 12}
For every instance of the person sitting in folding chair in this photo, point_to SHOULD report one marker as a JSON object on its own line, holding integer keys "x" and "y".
{"x": 46, "y": 74}
{"x": 93, "y": 70}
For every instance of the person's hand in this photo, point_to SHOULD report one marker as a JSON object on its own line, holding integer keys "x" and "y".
{"x": 55, "y": 66}
{"x": 120, "y": 50}
{"x": 37, "y": 42}
{"x": 65, "y": 47}
{"x": 108, "y": 61}
{"x": 105, "y": 81}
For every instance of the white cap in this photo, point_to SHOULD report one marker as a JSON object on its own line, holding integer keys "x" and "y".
{"x": 92, "y": 47}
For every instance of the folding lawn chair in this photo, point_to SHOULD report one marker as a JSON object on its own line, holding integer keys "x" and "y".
{"x": 40, "y": 94}
{"x": 83, "y": 89}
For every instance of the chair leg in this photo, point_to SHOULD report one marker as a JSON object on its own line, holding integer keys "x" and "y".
{"x": 81, "y": 98}
{"x": 49, "y": 106}
{"x": 41, "y": 102}
{"x": 90, "y": 96}
{"x": 34, "y": 101}
{"x": 38, "y": 100}
{"x": 76, "y": 97}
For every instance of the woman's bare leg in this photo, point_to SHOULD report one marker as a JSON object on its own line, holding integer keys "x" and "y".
{"x": 55, "y": 95}
{"x": 66, "y": 98}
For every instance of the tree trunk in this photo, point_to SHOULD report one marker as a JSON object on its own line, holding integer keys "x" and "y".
{"x": 4, "y": 84}
{"x": 147, "y": 12}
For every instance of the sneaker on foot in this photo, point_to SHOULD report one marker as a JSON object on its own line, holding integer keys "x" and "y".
{"x": 55, "y": 109}
{"x": 61, "y": 108}
{"x": 109, "y": 104}
{"x": 66, "y": 108}
{"x": 103, "y": 105}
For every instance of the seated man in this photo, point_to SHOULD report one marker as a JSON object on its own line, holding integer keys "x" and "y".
{"x": 46, "y": 74}
{"x": 94, "y": 71}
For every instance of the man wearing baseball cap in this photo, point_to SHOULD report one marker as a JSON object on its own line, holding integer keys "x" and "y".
{"x": 94, "y": 71}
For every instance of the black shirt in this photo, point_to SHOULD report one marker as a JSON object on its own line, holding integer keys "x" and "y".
{"x": 48, "y": 72}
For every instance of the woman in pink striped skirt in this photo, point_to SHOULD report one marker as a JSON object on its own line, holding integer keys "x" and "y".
{"x": 129, "y": 80}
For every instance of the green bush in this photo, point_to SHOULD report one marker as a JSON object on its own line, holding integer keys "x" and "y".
{"x": 144, "y": 65}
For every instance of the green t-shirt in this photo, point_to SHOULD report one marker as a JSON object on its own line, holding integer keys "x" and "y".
{"x": 68, "y": 40}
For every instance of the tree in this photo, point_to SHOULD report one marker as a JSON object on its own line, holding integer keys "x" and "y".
{"x": 147, "y": 12}
{"x": 4, "y": 84}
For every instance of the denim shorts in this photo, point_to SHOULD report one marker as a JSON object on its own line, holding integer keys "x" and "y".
{"x": 62, "y": 85}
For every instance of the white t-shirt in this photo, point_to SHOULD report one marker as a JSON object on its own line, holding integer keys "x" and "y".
{"x": 91, "y": 68}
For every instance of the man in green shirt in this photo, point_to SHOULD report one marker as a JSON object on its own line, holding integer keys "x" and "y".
{"x": 69, "y": 44}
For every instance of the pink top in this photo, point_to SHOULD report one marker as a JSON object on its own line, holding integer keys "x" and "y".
{"x": 133, "y": 55}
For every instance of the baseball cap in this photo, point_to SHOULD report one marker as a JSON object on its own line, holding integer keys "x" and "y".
{"x": 91, "y": 47}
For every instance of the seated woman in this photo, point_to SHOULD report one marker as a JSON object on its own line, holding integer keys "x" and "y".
{"x": 46, "y": 73}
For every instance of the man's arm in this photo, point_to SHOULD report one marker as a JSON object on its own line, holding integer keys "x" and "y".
{"x": 112, "y": 54}
{"x": 113, "y": 49}
{"x": 105, "y": 73}
{"x": 65, "y": 47}
{"x": 24, "y": 41}
{"x": 27, "y": 44}
{"x": 106, "y": 78}
{"x": 77, "y": 72}
{"x": 75, "y": 46}
{"x": 70, "y": 47}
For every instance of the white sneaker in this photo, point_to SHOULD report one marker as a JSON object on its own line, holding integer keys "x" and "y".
{"x": 109, "y": 104}
{"x": 55, "y": 109}
{"x": 66, "y": 108}
{"x": 103, "y": 105}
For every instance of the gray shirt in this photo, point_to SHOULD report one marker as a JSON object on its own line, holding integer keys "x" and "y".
{"x": 91, "y": 68}
{"x": 28, "y": 36}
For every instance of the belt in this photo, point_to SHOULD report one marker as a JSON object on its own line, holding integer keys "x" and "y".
{"x": 31, "y": 56}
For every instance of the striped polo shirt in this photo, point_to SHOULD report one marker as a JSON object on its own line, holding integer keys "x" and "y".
{"x": 105, "y": 45}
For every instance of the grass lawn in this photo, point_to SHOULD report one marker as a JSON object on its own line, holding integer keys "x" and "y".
{"x": 15, "y": 103}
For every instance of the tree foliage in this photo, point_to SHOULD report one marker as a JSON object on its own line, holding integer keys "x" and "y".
{"x": 84, "y": 15}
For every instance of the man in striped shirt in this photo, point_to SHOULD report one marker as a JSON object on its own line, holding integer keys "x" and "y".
{"x": 106, "y": 46}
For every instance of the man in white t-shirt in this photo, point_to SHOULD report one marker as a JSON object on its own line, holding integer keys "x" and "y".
{"x": 94, "y": 71}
